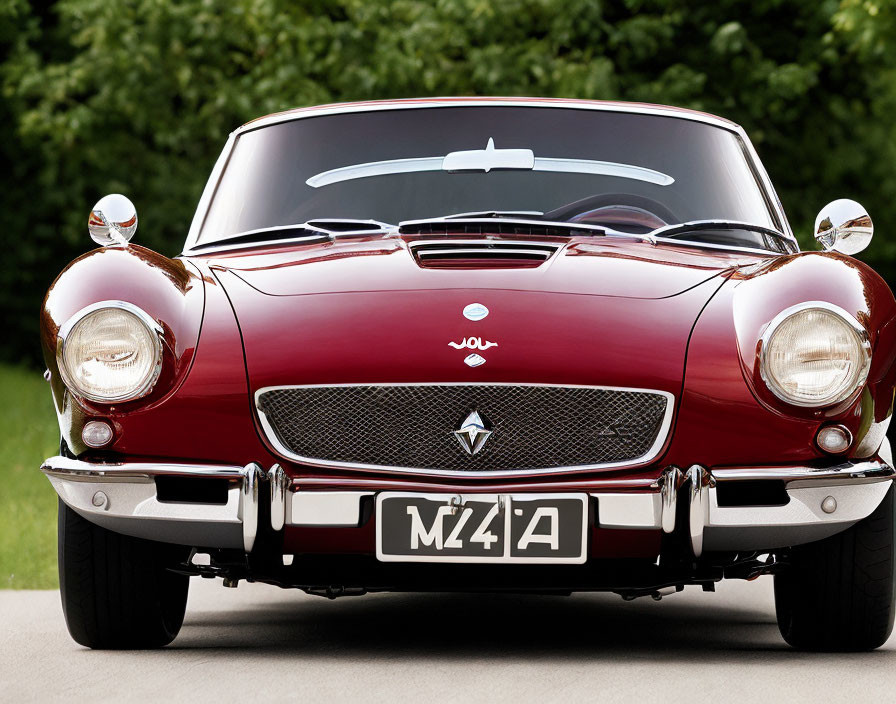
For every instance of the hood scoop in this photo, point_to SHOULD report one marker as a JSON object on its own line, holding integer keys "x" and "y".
{"x": 481, "y": 254}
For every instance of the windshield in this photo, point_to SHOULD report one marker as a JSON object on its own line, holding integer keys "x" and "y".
{"x": 627, "y": 171}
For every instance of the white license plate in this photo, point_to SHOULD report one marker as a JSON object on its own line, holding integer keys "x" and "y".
{"x": 500, "y": 528}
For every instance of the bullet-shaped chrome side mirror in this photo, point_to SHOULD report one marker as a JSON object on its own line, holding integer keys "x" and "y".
{"x": 844, "y": 226}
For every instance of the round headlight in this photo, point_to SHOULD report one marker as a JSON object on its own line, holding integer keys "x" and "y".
{"x": 814, "y": 354}
{"x": 110, "y": 352}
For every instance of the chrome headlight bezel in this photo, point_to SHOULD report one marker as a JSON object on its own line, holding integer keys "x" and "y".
{"x": 863, "y": 365}
{"x": 156, "y": 334}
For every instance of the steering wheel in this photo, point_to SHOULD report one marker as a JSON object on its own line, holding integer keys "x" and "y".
{"x": 621, "y": 211}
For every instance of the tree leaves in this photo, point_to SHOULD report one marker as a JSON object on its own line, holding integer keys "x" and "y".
{"x": 138, "y": 96}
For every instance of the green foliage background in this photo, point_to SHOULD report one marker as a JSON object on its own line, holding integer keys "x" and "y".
{"x": 137, "y": 96}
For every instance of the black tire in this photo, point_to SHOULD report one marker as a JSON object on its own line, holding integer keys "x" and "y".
{"x": 837, "y": 595}
{"x": 116, "y": 590}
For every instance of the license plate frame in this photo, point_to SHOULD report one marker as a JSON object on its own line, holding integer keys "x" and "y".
{"x": 570, "y": 530}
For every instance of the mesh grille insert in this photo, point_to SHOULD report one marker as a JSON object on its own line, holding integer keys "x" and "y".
{"x": 533, "y": 427}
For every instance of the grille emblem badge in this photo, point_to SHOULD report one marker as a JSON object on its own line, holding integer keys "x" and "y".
{"x": 472, "y": 433}
{"x": 475, "y": 311}
{"x": 474, "y": 360}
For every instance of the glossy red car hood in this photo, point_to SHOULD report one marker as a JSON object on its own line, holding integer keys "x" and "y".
{"x": 609, "y": 312}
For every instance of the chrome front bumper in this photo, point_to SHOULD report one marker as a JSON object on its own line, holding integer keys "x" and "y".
{"x": 820, "y": 503}
{"x": 124, "y": 498}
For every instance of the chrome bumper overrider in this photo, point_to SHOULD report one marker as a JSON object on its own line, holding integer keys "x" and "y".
{"x": 820, "y": 503}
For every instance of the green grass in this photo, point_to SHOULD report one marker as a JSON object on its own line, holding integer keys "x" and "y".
{"x": 28, "y": 434}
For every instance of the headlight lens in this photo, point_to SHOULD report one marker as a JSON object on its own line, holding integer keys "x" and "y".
{"x": 111, "y": 353}
{"x": 815, "y": 356}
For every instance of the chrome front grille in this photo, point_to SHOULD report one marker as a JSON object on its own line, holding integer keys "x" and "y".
{"x": 411, "y": 427}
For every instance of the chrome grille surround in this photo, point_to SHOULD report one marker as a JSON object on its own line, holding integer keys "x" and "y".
{"x": 269, "y": 403}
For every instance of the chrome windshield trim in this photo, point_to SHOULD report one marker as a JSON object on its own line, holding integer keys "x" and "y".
{"x": 442, "y": 102}
{"x": 447, "y": 102}
{"x": 658, "y": 444}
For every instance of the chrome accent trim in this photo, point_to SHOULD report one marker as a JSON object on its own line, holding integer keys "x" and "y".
{"x": 885, "y": 452}
{"x": 847, "y": 318}
{"x": 652, "y": 453}
{"x": 873, "y": 439}
{"x": 129, "y": 503}
{"x": 642, "y": 510}
{"x": 249, "y": 494}
{"x": 77, "y": 470}
{"x": 612, "y": 485}
{"x": 472, "y": 250}
{"x": 845, "y": 473}
{"x": 496, "y": 245}
{"x": 448, "y": 102}
{"x": 670, "y": 482}
{"x": 857, "y": 488}
{"x": 759, "y": 170}
{"x": 156, "y": 333}
{"x": 698, "y": 480}
{"x": 326, "y": 508}
{"x": 208, "y": 192}
{"x": 279, "y": 483}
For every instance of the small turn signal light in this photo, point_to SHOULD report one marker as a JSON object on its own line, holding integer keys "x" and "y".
{"x": 96, "y": 433}
{"x": 833, "y": 439}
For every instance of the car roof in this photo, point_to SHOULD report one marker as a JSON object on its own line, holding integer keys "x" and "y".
{"x": 461, "y": 101}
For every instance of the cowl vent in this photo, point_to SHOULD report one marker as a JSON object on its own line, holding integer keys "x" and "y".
{"x": 481, "y": 254}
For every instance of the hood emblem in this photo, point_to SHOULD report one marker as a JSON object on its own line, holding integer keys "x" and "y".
{"x": 474, "y": 360}
{"x": 472, "y": 433}
{"x": 473, "y": 343}
{"x": 475, "y": 311}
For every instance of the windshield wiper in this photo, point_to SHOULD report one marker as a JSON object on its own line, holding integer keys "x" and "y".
{"x": 774, "y": 240}
{"x": 310, "y": 231}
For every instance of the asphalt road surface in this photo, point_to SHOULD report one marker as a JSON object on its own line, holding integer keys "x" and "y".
{"x": 261, "y": 643}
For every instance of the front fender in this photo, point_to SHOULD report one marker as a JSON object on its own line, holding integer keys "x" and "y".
{"x": 728, "y": 417}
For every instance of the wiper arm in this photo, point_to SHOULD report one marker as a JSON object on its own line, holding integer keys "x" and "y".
{"x": 675, "y": 230}
{"x": 310, "y": 231}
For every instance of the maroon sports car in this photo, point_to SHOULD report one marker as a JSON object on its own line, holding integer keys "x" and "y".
{"x": 481, "y": 345}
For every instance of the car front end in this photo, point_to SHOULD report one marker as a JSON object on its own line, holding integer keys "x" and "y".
{"x": 443, "y": 380}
